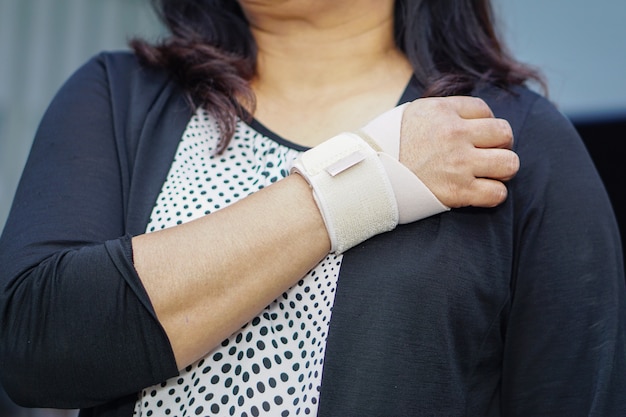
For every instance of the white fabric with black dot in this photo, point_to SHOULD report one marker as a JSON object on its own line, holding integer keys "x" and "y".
{"x": 273, "y": 365}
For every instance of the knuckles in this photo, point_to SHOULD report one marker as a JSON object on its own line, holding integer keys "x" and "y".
{"x": 505, "y": 132}
{"x": 511, "y": 164}
{"x": 499, "y": 193}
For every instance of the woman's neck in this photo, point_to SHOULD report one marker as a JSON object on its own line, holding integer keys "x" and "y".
{"x": 322, "y": 70}
{"x": 322, "y": 48}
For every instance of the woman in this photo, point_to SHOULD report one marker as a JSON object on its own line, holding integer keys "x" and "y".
{"x": 129, "y": 270}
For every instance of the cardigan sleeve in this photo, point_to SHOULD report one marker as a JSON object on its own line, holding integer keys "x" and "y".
{"x": 76, "y": 326}
{"x": 565, "y": 350}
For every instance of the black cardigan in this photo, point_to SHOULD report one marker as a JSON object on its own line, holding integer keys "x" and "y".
{"x": 518, "y": 310}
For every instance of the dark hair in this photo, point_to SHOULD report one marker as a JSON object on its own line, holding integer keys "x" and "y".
{"x": 210, "y": 53}
{"x": 452, "y": 46}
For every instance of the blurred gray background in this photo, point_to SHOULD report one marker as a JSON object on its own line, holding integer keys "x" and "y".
{"x": 580, "y": 46}
{"x": 41, "y": 43}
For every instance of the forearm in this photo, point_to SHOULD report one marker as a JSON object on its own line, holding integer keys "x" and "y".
{"x": 208, "y": 277}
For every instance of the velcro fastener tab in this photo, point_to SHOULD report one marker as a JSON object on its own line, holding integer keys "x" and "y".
{"x": 345, "y": 163}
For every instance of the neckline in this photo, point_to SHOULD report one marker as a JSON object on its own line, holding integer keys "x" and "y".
{"x": 411, "y": 92}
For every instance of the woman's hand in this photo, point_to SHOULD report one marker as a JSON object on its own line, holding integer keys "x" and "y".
{"x": 458, "y": 149}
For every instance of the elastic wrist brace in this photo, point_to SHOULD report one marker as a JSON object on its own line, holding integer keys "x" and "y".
{"x": 351, "y": 188}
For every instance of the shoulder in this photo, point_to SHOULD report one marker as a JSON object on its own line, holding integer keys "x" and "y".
{"x": 114, "y": 91}
{"x": 109, "y": 82}
{"x": 123, "y": 73}
{"x": 121, "y": 59}
{"x": 116, "y": 85}
{"x": 130, "y": 89}
{"x": 122, "y": 63}
{"x": 557, "y": 174}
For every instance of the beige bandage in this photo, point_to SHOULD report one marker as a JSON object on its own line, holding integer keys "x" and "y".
{"x": 351, "y": 188}
{"x": 415, "y": 201}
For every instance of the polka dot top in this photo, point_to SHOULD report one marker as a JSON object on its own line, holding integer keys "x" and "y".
{"x": 273, "y": 365}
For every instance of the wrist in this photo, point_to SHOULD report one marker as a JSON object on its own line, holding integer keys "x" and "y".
{"x": 351, "y": 189}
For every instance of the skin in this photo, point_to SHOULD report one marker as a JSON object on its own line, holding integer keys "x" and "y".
{"x": 325, "y": 66}
{"x": 310, "y": 54}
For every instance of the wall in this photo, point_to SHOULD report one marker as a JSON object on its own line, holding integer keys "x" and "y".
{"x": 580, "y": 46}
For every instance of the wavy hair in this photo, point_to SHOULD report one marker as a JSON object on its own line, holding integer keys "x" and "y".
{"x": 211, "y": 53}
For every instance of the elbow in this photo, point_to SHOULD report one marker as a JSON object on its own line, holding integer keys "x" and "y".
{"x": 16, "y": 378}
{"x": 38, "y": 374}
{"x": 22, "y": 378}
{"x": 31, "y": 353}
{"x": 13, "y": 391}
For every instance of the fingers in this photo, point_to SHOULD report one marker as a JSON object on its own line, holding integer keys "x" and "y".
{"x": 466, "y": 119}
{"x": 489, "y": 133}
{"x": 477, "y": 192}
{"x": 475, "y": 178}
{"x": 466, "y": 107}
{"x": 485, "y": 192}
{"x": 459, "y": 107}
{"x": 499, "y": 164}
